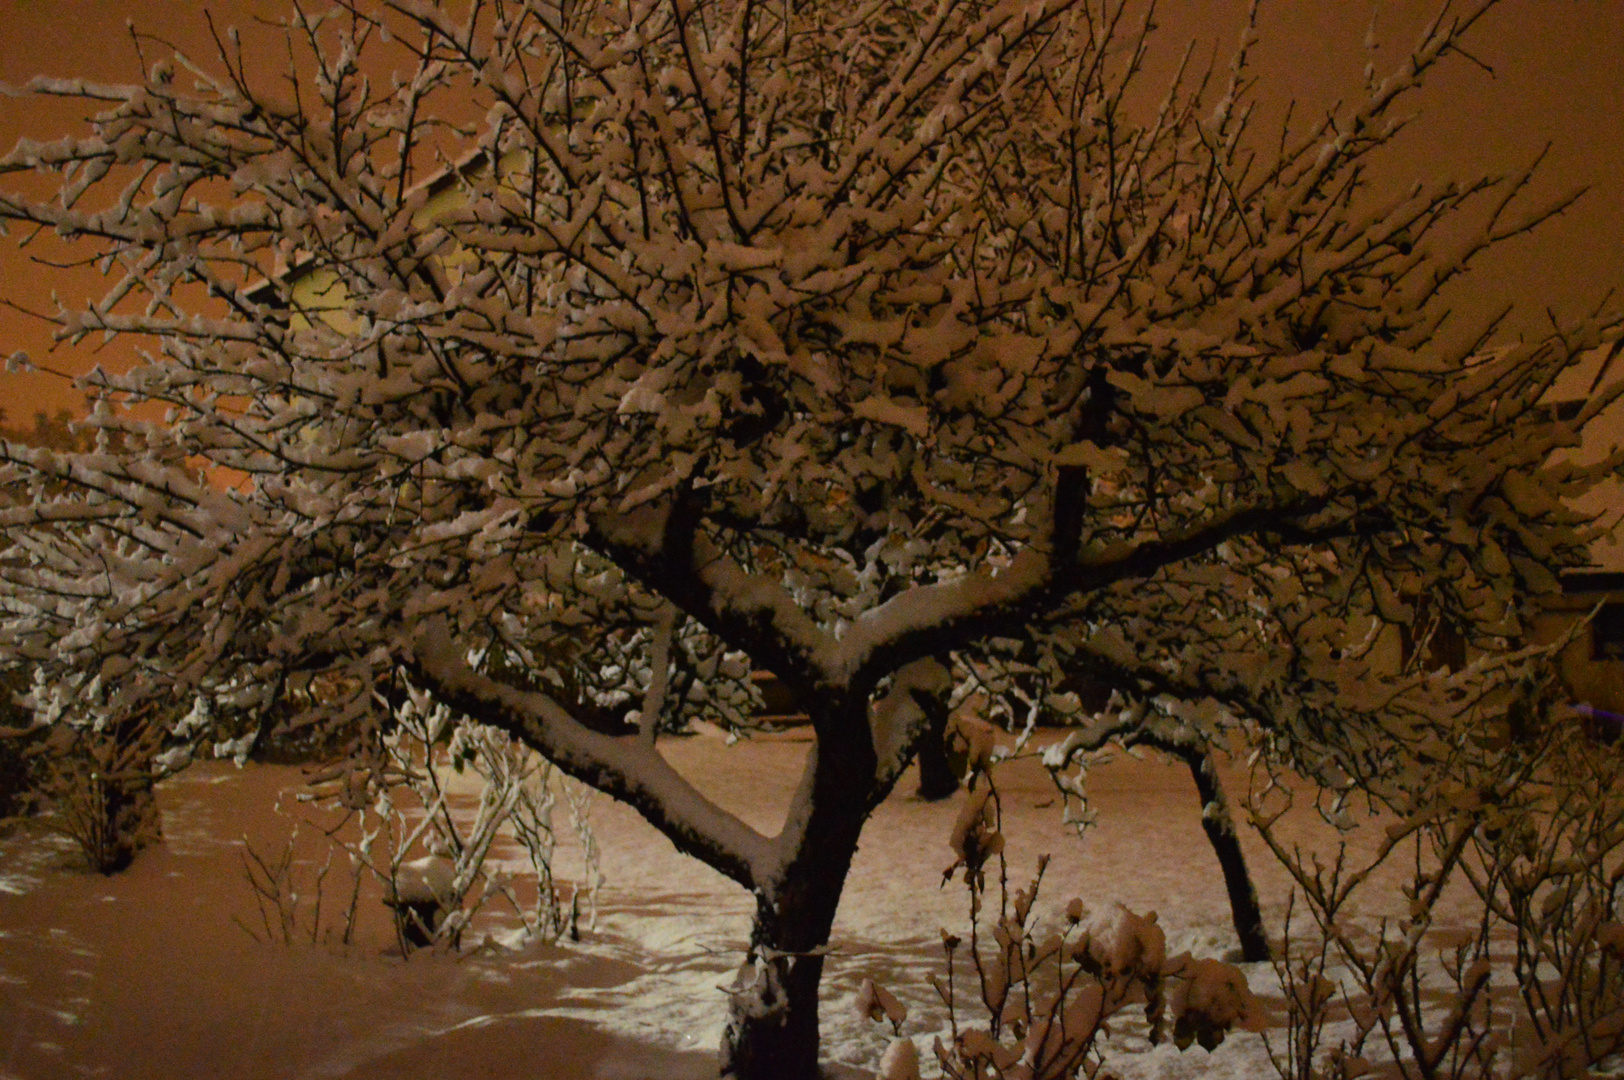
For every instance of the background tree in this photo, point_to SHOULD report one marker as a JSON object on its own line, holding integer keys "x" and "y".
{"x": 860, "y": 341}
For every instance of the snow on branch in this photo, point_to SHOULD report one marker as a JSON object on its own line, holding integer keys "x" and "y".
{"x": 642, "y": 347}
{"x": 626, "y": 768}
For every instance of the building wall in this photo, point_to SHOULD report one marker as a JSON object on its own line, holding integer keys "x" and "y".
{"x": 1591, "y": 665}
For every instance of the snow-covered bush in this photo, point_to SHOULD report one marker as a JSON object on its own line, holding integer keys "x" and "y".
{"x": 99, "y": 788}
{"x": 653, "y": 343}
{"x": 1042, "y": 994}
{"x": 88, "y": 770}
{"x": 19, "y": 789}
{"x": 419, "y": 821}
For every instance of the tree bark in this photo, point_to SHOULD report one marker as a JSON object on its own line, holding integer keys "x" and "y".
{"x": 1218, "y": 824}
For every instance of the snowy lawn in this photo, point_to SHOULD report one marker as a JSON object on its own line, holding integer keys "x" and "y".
{"x": 149, "y": 974}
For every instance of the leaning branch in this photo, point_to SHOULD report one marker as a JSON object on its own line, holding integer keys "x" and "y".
{"x": 624, "y": 768}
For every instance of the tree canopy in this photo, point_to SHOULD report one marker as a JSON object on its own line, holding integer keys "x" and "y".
{"x": 570, "y": 361}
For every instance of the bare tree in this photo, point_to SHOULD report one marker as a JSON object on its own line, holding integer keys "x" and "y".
{"x": 846, "y": 341}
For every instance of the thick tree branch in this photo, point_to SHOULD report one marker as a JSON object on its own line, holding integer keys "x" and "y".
{"x": 934, "y": 619}
{"x": 624, "y": 768}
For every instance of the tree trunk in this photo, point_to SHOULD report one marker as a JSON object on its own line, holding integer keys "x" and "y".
{"x": 1219, "y": 824}
{"x": 936, "y": 777}
{"x": 772, "y": 1024}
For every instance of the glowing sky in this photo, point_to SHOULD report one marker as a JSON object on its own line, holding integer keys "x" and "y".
{"x": 1558, "y": 79}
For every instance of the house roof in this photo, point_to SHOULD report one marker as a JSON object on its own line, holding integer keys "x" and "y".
{"x": 265, "y": 291}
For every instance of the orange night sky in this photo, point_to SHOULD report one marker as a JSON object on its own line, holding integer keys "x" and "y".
{"x": 1558, "y": 79}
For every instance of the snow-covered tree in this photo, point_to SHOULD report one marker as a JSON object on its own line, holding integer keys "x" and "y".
{"x": 566, "y": 361}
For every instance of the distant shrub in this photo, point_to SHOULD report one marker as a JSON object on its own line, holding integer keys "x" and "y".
{"x": 98, "y": 785}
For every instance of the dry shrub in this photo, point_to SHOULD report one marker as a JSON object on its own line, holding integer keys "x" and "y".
{"x": 1506, "y": 958}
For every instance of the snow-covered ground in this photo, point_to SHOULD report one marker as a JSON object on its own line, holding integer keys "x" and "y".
{"x": 149, "y": 974}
